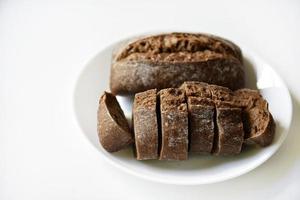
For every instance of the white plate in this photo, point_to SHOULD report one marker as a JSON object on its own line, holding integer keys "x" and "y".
{"x": 198, "y": 169}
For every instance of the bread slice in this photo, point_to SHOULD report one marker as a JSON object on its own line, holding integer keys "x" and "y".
{"x": 201, "y": 111}
{"x": 113, "y": 129}
{"x": 145, "y": 125}
{"x": 174, "y": 125}
{"x": 258, "y": 121}
{"x": 201, "y": 124}
{"x": 230, "y": 134}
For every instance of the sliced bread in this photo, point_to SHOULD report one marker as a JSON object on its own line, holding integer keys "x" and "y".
{"x": 113, "y": 130}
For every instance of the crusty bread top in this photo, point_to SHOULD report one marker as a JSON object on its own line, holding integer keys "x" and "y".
{"x": 197, "y": 89}
{"x": 178, "y": 57}
{"x": 219, "y": 93}
{"x": 246, "y": 98}
{"x": 180, "y": 42}
{"x": 201, "y": 89}
{"x": 145, "y": 99}
{"x": 172, "y": 98}
{"x": 224, "y": 97}
{"x": 246, "y": 93}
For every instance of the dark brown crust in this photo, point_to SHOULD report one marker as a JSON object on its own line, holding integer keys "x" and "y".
{"x": 181, "y": 42}
{"x": 265, "y": 137}
{"x": 259, "y": 123}
{"x": 230, "y": 135}
{"x": 219, "y": 93}
{"x": 178, "y": 57}
{"x": 135, "y": 76}
{"x": 145, "y": 125}
{"x": 174, "y": 125}
{"x": 227, "y": 134}
{"x": 196, "y": 89}
{"x": 201, "y": 124}
{"x": 167, "y": 60}
{"x": 113, "y": 129}
{"x": 245, "y": 97}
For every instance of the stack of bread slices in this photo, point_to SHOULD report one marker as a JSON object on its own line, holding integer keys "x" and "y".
{"x": 196, "y": 117}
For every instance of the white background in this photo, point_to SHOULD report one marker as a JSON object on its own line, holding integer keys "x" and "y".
{"x": 44, "y": 45}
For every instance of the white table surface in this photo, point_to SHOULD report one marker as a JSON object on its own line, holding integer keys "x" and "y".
{"x": 45, "y": 45}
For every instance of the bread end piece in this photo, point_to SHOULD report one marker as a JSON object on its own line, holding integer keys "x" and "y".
{"x": 113, "y": 130}
{"x": 260, "y": 125}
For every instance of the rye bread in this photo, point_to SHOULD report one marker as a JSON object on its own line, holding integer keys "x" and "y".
{"x": 258, "y": 121}
{"x": 219, "y": 93}
{"x": 145, "y": 125}
{"x": 226, "y": 124}
{"x": 259, "y": 125}
{"x": 230, "y": 133}
{"x": 167, "y": 60}
{"x": 201, "y": 110}
{"x": 174, "y": 125}
{"x": 201, "y": 124}
{"x": 113, "y": 130}
{"x": 229, "y": 124}
{"x": 178, "y": 42}
{"x": 245, "y": 98}
{"x": 196, "y": 89}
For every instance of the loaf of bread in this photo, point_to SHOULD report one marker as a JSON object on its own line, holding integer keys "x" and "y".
{"x": 197, "y": 117}
{"x": 167, "y": 60}
{"x": 174, "y": 125}
{"x": 113, "y": 129}
{"x": 145, "y": 125}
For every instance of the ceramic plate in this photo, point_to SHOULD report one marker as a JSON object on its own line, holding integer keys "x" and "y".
{"x": 94, "y": 79}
